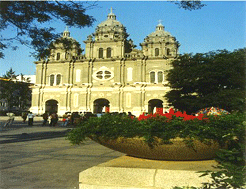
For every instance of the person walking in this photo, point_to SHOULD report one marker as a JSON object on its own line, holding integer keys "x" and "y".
{"x": 65, "y": 119}
{"x": 10, "y": 120}
{"x": 24, "y": 116}
{"x": 54, "y": 119}
{"x": 45, "y": 118}
{"x": 30, "y": 118}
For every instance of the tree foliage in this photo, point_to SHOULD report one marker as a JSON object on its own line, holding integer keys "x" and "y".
{"x": 210, "y": 79}
{"x": 27, "y": 18}
{"x": 189, "y": 5}
{"x": 16, "y": 93}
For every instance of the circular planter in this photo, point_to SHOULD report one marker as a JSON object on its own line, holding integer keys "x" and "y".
{"x": 178, "y": 150}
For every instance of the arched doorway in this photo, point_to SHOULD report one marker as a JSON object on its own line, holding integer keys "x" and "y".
{"x": 155, "y": 106}
{"x": 51, "y": 106}
{"x": 101, "y": 105}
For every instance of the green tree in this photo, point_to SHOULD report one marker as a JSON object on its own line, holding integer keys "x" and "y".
{"x": 28, "y": 17}
{"x": 189, "y": 5}
{"x": 16, "y": 93}
{"x": 209, "y": 79}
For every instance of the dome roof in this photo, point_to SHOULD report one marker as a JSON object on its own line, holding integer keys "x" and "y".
{"x": 111, "y": 21}
{"x": 65, "y": 37}
{"x": 159, "y": 32}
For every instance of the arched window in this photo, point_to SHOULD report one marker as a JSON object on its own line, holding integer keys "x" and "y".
{"x": 100, "y": 53}
{"x": 66, "y": 55}
{"x": 52, "y": 80}
{"x": 157, "y": 52}
{"x": 58, "y": 56}
{"x": 160, "y": 77}
{"x": 152, "y": 77}
{"x": 156, "y": 77}
{"x": 168, "y": 52}
{"x": 58, "y": 79}
{"x": 55, "y": 79}
{"x": 109, "y": 52}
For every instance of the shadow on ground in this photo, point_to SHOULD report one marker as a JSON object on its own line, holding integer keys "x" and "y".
{"x": 32, "y": 136}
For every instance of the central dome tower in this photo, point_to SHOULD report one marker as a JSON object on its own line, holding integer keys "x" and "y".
{"x": 110, "y": 29}
{"x": 160, "y": 43}
{"x": 108, "y": 41}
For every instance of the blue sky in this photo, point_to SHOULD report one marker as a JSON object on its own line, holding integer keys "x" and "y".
{"x": 219, "y": 25}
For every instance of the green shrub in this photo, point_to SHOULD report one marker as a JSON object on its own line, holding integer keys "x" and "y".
{"x": 219, "y": 128}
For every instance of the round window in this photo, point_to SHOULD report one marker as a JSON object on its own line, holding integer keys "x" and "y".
{"x": 103, "y": 74}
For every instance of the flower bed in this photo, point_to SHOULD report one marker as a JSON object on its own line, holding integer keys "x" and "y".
{"x": 171, "y": 133}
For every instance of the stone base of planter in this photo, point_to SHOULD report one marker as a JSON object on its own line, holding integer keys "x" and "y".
{"x": 177, "y": 151}
{"x": 129, "y": 172}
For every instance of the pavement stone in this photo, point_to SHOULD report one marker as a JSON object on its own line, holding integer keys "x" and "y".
{"x": 40, "y": 157}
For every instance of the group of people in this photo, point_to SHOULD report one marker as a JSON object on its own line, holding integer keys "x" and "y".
{"x": 51, "y": 119}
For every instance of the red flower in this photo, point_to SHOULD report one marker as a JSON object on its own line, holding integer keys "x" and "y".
{"x": 171, "y": 114}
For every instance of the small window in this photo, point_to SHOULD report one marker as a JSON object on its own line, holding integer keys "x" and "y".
{"x": 107, "y": 74}
{"x": 58, "y": 79}
{"x": 160, "y": 77}
{"x": 100, "y": 53}
{"x": 58, "y": 56}
{"x": 156, "y": 52}
{"x": 109, "y": 52}
{"x": 52, "y": 80}
{"x": 168, "y": 52}
{"x": 66, "y": 55}
{"x": 152, "y": 77}
{"x": 105, "y": 35}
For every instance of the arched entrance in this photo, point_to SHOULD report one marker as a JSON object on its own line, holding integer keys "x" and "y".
{"x": 51, "y": 106}
{"x": 155, "y": 106}
{"x": 101, "y": 105}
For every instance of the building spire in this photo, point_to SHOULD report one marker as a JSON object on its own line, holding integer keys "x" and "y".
{"x": 111, "y": 15}
{"x": 66, "y": 33}
{"x": 159, "y": 27}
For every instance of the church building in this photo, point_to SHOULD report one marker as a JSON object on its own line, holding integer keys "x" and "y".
{"x": 110, "y": 76}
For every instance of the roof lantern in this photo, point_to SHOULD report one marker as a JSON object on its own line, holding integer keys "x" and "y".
{"x": 159, "y": 27}
{"x": 111, "y": 15}
{"x": 66, "y": 33}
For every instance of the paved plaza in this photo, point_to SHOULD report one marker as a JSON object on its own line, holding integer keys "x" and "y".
{"x": 40, "y": 157}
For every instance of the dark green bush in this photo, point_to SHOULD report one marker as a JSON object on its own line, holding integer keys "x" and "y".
{"x": 219, "y": 128}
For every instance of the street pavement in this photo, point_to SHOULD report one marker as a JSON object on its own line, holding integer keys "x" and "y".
{"x": 41, "y": 157}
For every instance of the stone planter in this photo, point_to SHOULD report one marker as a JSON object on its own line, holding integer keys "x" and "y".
{"x": 177, "y": 151}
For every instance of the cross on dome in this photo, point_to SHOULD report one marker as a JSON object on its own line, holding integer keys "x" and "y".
{"x": 66, "y": 33}
{"x": 111, "y": 15}
{"x": 159, "y": 27}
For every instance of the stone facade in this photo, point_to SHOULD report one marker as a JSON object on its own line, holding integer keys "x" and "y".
{"x": 110, "y": 76}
